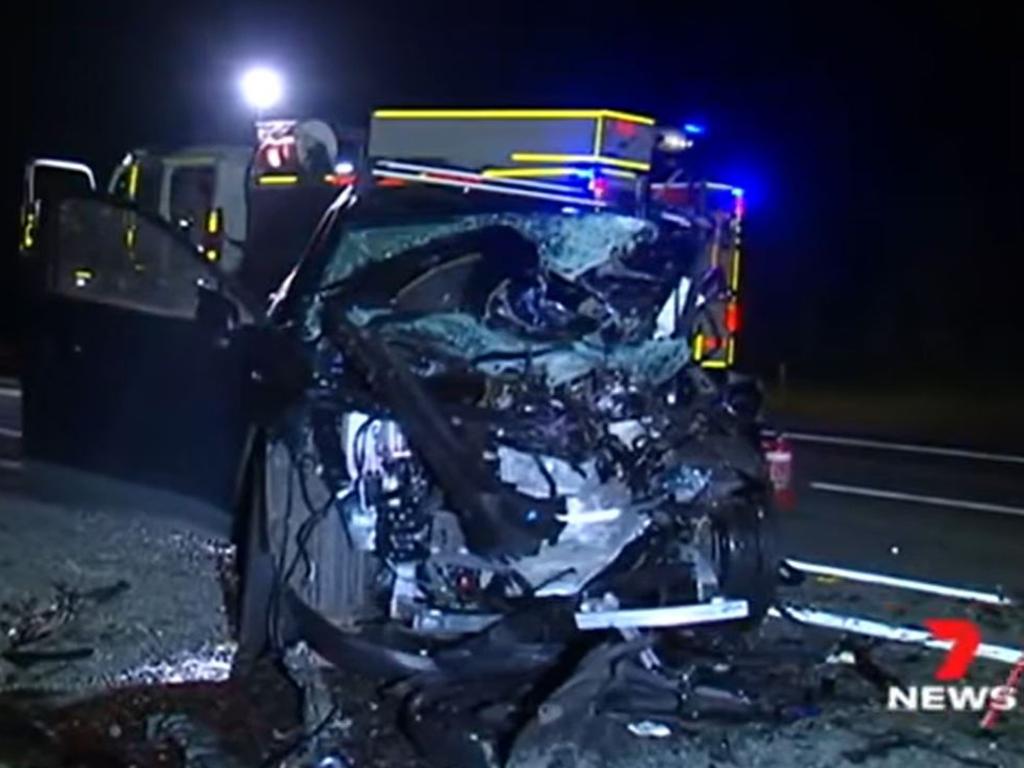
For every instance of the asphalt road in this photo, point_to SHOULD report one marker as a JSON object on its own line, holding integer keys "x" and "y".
{"x": 10, "y": 430}
{"x": 950, "y": 517}
{"x": 945, "y": 514}
{"x": 906, "y": 511}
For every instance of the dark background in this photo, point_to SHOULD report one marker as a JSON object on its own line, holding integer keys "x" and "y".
{"x": 879, "y": 147}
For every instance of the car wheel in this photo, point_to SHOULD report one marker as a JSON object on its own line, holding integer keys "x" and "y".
{"x": 746, "y": 556}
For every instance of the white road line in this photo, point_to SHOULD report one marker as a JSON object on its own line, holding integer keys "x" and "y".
{"x": 928, "y": 450}
{"x": 899, "y": 582}
{"x": 5, "y": 432}
{"x": 873, "y": 628}
{"x": 12, "y": 392}
{"x": 11, "y": 466}
{"x": 937, "y": 501}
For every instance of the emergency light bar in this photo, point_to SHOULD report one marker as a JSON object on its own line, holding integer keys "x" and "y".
{"x": 292, "y": 153}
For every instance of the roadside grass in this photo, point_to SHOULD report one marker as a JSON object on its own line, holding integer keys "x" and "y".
{"x": 983, "y": 418}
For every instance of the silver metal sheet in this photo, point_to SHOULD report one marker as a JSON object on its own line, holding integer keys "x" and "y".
{"x": 666, "y": 616}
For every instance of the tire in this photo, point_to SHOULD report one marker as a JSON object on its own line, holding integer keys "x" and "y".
{"x": 747, "y": 554}
{"x": 255, "y": 561}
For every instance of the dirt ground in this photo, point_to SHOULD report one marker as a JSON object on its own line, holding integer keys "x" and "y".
{"x": 117, "y": 652}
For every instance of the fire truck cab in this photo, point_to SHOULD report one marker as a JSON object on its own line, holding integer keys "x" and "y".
{"x": 199, "y": 190}
{"x": 248, "y": 209}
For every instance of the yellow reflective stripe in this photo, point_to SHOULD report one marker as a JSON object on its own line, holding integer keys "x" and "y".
{"x": 629, "y": 118}
{"x": 598, "y": 135}
{"x": 277, "y": 180}
{"x": 731, "y": 351}
{"x": 133, "y": 181}
{"x": 212, "y": 255}
{"x": 735, "y": 276}
{"x": 529, "y": 172}
{"x": 28, "y": 233}
{"x": 618, "y": 173}
{"x": 542, "y": 157}
{"x": 213, "y": 221}
{"x": 513, "y": 114}
{"x": 129, "y": 236}
{"x": 698, "y": 347}
{"x": 715, "y": 364}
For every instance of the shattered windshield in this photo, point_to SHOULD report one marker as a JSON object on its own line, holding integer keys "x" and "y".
{"x": 556, "y": 294}
{"x": 566, "y": 244}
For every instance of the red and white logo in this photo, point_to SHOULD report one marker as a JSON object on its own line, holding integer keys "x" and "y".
{"x": 965, "y": 637}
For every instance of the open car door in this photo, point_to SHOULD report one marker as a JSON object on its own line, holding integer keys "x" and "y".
{"x": 133, "y": 374}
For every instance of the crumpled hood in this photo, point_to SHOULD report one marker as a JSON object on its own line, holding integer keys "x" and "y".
{"x": 551, "y": 294}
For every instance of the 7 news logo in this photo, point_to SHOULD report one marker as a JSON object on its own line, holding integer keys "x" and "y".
{"x": 966, "y": 638}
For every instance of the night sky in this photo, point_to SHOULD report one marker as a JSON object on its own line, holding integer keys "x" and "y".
{"x": 879, "y": 148}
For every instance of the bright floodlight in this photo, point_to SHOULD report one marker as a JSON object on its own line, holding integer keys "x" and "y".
{"x": 262, "y": 87}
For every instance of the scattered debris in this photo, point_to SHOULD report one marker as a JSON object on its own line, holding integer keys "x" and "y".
{"x": 211, "y": 663}
{"x": 29, "y": 622}
{"x": 32, "y": 622}
{"x": 648, "y": 729}
{"x": 787, "y": 694}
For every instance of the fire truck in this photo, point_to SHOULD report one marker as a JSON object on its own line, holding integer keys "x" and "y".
{"x": 605, "y": 158}
{"x": 246, "y": 209}
{"x": 251, "y": 209}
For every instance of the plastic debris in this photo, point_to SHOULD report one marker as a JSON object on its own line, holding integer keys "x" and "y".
{"x": 648, "y": 729}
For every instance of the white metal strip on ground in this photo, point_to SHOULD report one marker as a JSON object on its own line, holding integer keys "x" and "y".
{"x": 898, "y": 582}
{"x": 6, "y": 432}
{"x": 883, "y": 445}
{"x": 937, "y": 501}
{"x": 12, "y": 392}
{"x": 879, "y": 629}
{"x": 668, "y": 616}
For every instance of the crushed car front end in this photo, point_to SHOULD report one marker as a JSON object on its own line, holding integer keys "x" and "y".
{"x": 503, "y": 438}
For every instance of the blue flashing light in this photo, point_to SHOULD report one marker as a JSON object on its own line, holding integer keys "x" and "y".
{"x": 737, "y": 191}
{"x": 694, "y": 129}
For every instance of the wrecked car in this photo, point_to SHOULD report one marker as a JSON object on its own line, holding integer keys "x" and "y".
{"x": 497, "y": 447}
{"x": 473, "y": 432}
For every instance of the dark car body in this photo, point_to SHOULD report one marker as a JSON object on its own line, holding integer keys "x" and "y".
{"x": 132, "y": 381}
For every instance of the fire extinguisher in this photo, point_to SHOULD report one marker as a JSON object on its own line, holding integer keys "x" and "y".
{"x": 779, "y": 455}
